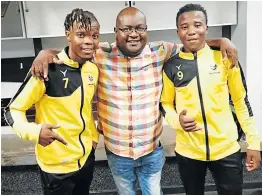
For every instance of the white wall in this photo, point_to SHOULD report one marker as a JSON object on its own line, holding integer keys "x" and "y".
{"x": 239, "y": 33}
{"x": 253, "y": 58}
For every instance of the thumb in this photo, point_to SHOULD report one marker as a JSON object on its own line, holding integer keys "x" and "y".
{"x": 183, "y": 112}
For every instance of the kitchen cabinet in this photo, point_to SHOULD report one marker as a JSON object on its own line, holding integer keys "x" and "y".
{"x": 12, "y": 20}
{"x": 46, "y": 18}
{"x": 161, "y": 15}
{"x": 15, "y": 69}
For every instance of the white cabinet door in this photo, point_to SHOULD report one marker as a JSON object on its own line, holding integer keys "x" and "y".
{"x": 162, "y": 14}
{"x": 46, "y": 18}
{"x": 12, "y": 22}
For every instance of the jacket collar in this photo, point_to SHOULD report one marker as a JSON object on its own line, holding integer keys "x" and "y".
{"x": 190, "y": 56}
{"x": 63, "y": 55}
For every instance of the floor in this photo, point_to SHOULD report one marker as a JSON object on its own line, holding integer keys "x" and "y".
{"x": 24, "y": 180}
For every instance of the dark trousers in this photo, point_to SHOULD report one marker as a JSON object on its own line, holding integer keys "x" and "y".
{"x": 75, "y": 183}
{"x": 227, "y": 173}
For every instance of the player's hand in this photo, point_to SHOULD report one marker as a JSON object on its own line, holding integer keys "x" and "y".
{"x": 47, "y": 136}
{"x": 253, "y": 159}
{"x": 187, "y": 123}
{"x": 229, "y": 50}
{"x": 40, "y": 64}
{"x": 94, "y": 144}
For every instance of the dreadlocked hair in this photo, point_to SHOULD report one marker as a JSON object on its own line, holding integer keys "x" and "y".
{"x": 82, "y": 19}
{"x": 91, "y": 16}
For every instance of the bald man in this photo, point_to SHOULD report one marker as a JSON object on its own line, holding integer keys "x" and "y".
{"x": 130, "y": 84}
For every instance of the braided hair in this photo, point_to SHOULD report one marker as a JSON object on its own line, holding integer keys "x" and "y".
{"x": 82, "y": 18}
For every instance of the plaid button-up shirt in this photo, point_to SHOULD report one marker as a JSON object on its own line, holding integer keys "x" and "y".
{"x": 129, "y": 91}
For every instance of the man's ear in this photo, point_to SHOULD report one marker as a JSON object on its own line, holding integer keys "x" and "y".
{"x": 206, "y": 30}
{"x": 67, "y": 33}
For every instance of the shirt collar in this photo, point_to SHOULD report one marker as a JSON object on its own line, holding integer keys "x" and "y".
{"x": 116, "y": 52}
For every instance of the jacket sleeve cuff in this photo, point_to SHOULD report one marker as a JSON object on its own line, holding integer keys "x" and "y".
{"x": 35, "y": 133}
{"x": 176, "y": 124}
{"x": 254, "y": 144}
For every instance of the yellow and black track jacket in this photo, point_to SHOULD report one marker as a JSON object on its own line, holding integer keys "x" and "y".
{"x": 65, "y": 99}
{"x": 201, "y": 84}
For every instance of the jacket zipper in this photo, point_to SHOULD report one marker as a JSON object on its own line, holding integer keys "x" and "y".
{"x": 81, "y": 115}
{"x": 202, "y": 110}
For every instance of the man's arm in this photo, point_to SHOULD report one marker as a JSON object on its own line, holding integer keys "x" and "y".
{"x": 40, "y": 64}
{"x": 242, "y": 108}
{"x": 15, "y": 113}
{"x": 28, "y": 94}
{"x": 227, "y": 48}
{"x": 177, "y": 121}
{"x": 95, "y": 133}
{"x": 245, "y": 116}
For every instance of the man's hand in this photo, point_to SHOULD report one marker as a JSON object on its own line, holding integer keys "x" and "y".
{"x": 253, "y": 159}
{"x": 47, "y": 136}
{"x": 94, "y": 144}
{"x": 40, "y": 64}
{"x": 229, "y": 50}
{"x": 187, "y": 123}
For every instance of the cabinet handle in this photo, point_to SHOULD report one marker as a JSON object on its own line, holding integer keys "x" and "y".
{"x": 134, "y": 3}
{"x": 126, "y": 4}
{"x": 17, "y": 5}
{"x": 21, "y": 66}
{"x": 26, "y": 7}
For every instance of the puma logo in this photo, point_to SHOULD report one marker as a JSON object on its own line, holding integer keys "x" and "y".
{"x": 64, "y": 73}
{"x": 178, "y": 67}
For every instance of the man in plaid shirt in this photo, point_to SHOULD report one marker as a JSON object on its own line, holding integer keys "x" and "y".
{"x": 130, "y": 85}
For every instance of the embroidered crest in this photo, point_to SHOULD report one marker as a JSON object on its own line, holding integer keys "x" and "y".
{"x": 213, "y": 67}
{"x": 90, "y": 77}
